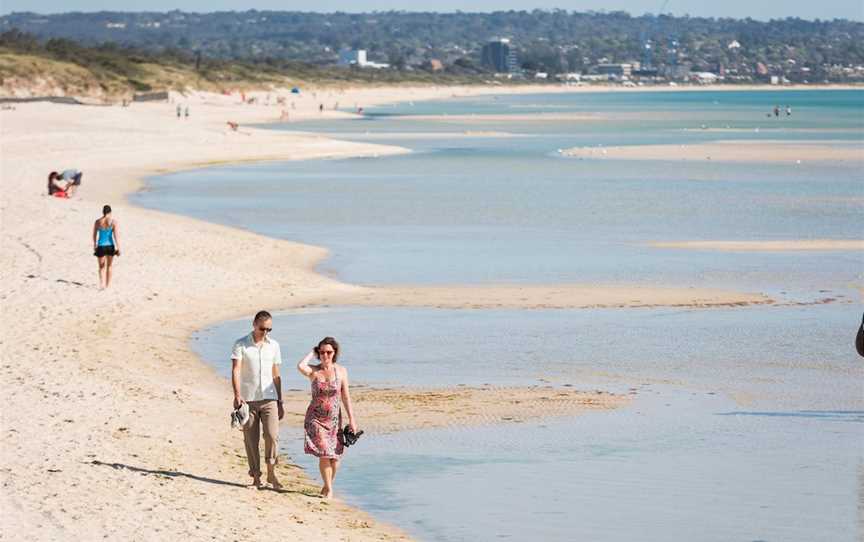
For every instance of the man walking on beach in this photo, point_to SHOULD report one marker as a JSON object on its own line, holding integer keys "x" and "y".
{"x": 255, "y": 378}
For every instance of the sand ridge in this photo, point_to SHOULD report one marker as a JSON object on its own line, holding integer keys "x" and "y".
{"x": 559, "y": 296}
{"x": 764, "y": 151}
{"x": 789, "y": 245}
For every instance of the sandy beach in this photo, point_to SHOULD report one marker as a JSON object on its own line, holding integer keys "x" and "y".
{"x": 126, "y": 430}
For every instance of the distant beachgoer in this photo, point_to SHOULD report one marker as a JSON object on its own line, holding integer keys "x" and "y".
{"x": 106, "y": 245}
{"x": 788, "y": 111}
{"x": 256, "y": 382}
{"x": 776, "y": 110}
{"x": 859, "y": 338}
{"x": 72, "y": 175}
{"x": 321, "y": 108}
{"x": 179, "y": 111}
{"x": 233, "y": 125}
{"x": 323, "y": 422}
{"x": 187, "y": 112}
{"x": 64, "y": 185}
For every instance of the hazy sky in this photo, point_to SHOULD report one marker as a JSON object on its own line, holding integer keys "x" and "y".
{"x": 758, "y": 9}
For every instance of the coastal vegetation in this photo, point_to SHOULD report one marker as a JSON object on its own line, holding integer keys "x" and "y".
{"x": 118, "y": 52}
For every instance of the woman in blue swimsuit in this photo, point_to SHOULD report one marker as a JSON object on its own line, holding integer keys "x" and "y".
{"x": 106, "y": 245}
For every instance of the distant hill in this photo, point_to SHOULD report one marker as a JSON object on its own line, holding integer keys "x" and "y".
{"x": 544, "y": 41}
{"x": 61, "y": 67}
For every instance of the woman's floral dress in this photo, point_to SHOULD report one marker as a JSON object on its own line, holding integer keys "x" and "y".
{"x": 323, "y": 420}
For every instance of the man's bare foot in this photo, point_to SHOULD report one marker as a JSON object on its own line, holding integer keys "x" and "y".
{"x": 326, "y": 492}
{"x": 256, "y": 482}
{"x": 273, "y": 481}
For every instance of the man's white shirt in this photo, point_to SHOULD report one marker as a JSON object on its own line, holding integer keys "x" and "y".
{"x": 256, "y": 367}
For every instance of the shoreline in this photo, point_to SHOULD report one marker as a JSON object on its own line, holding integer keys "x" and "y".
{"x": 471, "y": 89}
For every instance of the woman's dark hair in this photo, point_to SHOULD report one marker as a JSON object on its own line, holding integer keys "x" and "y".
{"x": 51, "y": 176}
{"x": 262, "y": 315}
{"x": 106, "y": 209}
{"x": 332, "y": 342}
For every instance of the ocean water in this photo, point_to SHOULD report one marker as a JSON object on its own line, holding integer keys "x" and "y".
{"x": 747, "y": 423}
{"x": 510, "y": 210}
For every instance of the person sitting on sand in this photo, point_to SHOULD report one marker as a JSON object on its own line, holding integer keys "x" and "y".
{"x": 106, "y": 245}
{"x": 323, "y": 420}
{"x": 255, "y": 379}
{"x": 63, "y": 185}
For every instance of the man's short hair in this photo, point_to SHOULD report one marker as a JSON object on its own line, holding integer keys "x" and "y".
{"x": 262, "y": 315}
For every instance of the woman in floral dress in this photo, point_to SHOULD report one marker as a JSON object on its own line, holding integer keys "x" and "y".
{"x": 324, "y": 415}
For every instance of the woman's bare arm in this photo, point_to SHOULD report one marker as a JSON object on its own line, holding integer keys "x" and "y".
{"x": 346, "y": 400}
{"x": 116, "y": 237}
{"x": 303, "y": 365}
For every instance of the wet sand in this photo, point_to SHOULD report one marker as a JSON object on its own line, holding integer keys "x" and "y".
{"x": 795, "y": 245}
{"x": 795, "y": 152}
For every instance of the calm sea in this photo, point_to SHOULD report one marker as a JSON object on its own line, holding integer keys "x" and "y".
{"x": 510, "y": 210}
{"x": 748, "y": 423}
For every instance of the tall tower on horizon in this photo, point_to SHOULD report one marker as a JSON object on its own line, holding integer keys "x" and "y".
{"x": 499, "y": 56}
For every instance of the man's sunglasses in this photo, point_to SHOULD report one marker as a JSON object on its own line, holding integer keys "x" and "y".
{"x": 265, "y": 329}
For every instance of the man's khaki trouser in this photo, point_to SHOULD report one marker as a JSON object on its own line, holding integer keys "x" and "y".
{"x": 264, "y": 413}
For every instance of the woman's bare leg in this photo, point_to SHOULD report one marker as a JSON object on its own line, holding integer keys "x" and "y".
{"x": 335, "y": 463}
{"x": 108, "y": 270}
{"x": 102, "y": 265}
{"x": 326, "y": 468}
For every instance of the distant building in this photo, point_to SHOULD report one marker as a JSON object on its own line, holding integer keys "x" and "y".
{"x": 357, "y": 57}
{"x": 733, "y": 45}
{"x": 436, "y": 65}
{"x": 499, "y": 56}
{"x": 615, "y": 70}
{"x": 594, "y": 77}
{"x": 352, "y": 57}
{"x": 704, "y": 78}
{"x": 646, "y": 72}
{"x": 570, "y": 76}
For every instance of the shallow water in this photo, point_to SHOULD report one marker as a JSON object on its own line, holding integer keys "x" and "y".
{"x": 748, "y": 424}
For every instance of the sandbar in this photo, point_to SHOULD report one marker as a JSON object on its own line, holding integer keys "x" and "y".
{"x": 790, "y": 245}
{"x": 792, "y": 152}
